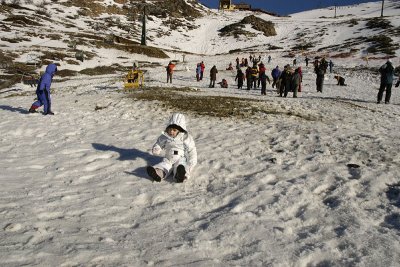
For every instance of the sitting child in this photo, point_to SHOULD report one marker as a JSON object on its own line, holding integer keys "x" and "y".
{"x": 132, "y": 76}
{"x": 223, "y": 83}
{"x": 340, "y": 80}
{"x": 180, "y": 151}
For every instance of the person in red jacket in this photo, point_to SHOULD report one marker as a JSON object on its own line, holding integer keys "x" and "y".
{"x": 261, "y": 71}
{"x": 203, "y": 67}
{"x": 170, "y": 70}
{"x": 301, "y": 77}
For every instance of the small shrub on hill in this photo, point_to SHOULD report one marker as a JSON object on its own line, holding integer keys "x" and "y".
{"x": 378, "y": 23}
{"x": 383, "y": 44}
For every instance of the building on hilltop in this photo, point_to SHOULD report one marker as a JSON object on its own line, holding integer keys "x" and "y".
{"x": 225, "y": 5}
{"x": 242, "y": 6}
{"x": 228, "y": 5}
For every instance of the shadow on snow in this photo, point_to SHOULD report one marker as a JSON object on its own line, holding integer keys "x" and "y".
{"x": 131, "y": 154}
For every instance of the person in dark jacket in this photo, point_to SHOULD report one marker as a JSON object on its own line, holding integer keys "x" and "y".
{"x": 319, "y": 69}
{"x": 264, "y": 78}
{"x": 261, "y": 71}
{"x": 43, "y": 91}
{"x": 240, "y": 78}
{"x": 331, "y": 66}
{"x": 248, "y": 77}
{"x": 213, "y": 76}
{"x": 387, "y": 73}
{"x": 288, "y": 80}
{"x": 283, "y": 77}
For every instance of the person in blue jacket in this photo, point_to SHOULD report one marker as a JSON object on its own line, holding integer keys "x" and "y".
{"x": 275, "y": 73}
{"x": 43, "y": 91}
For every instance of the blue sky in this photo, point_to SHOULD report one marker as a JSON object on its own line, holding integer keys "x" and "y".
{"x": 288, "y": 6}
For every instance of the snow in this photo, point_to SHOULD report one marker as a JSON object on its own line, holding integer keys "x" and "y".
{"x": 275, "y": 189}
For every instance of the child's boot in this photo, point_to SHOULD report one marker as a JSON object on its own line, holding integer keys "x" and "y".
{"x": 154, "y": 173}
{"x": 180, "y": 174}
{"x": 32, "y": 110}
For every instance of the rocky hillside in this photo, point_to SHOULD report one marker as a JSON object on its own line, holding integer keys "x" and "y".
{"x": 86, "y": 29}
{"x": 236, "y": 29}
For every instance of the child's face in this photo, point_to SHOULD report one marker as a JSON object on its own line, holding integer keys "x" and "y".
{"x": 172, "y": 132}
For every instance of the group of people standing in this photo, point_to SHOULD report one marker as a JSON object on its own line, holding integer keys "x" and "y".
{"x": 255, "y": 76}
{"x": 287, "y": 80}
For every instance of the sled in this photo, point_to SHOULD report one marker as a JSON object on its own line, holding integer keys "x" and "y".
{"x": 133, "y": 80}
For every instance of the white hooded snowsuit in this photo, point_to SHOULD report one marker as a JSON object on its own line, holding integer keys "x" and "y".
{"x": 180, "y": 150}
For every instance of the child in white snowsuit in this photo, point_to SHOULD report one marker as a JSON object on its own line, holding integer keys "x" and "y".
{"x": 180, "y": 151}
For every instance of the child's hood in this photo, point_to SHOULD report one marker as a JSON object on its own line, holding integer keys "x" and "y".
{"x": 178, "y": 119}
{"x": 51, "y": 68}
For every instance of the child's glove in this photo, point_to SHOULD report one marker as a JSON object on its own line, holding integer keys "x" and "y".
{"x": 156, "y": 150}
{"x": 397, "y": 84}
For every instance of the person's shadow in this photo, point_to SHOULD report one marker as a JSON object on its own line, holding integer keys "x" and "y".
{"x": 131, "y": 154}
{"x": 13, "y": 109}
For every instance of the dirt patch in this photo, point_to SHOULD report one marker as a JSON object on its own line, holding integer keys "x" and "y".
{"x": 185, "y": 99}
{"x": 101, "y": 70}
{"x": 66, "y": 73}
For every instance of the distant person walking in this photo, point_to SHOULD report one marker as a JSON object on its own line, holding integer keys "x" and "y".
{"x": 387, "y": 72}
